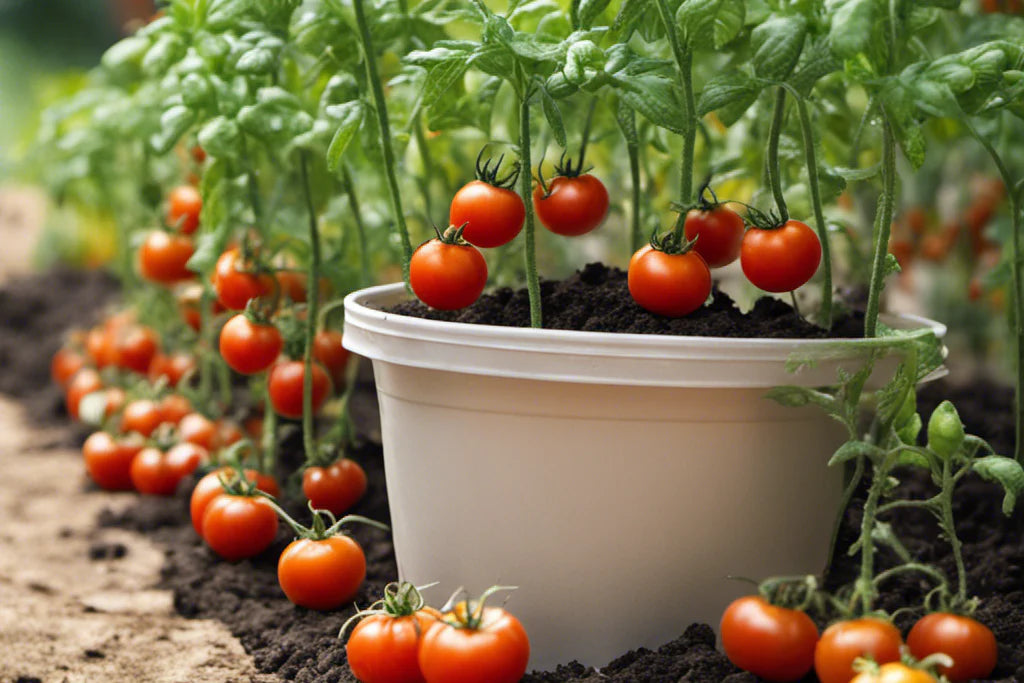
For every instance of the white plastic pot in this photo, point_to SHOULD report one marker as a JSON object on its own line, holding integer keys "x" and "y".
{"x": 617, "y": 479}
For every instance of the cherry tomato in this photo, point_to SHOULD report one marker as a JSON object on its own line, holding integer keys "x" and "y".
{"x": 174, "y": 407}
{"x": 141, "y": 416}
{"x": 228, "y": 432}
{"x": 108, "y": 460}
{"x": 496, "y": 652}
{"x": 328, "y": 349}
{"x": 293, "y": 285}
{"x": 574, "y": 206}
{"x": 895, "y": 672}
{"x": 782, "y": 259}
{"x": 115, "y": 400}
{"x": 183, "y": 206}
{"x": 66, "y": 362}
{"x": 248, "y": 347}
{"x": 447, "y": 276}
{"x": 209, "y": 487}
{"x": 236, "y": 527}
{"x": 772, "y": 642}
{"x": 669, "y": 284}
{"x": 198, "y": 429}
{"x": 845, "y": 641}
{"x": 198, "y": 154}
{"x": 158, "y": 473}
{"x": 162, "y": 257}
{"x": 84, "y": 382}
{"x": 285, "y": 387}
{"x": 719, "y": 233}
{"x": 173, "y": 368}
{"x": 385, "y": 649}
{"x": 322, "y": 574}
{"x": 235, "y": 286}
{"x": 99, "y": 344}
{"x": 336, "y": 488}
{"x": 493, "y": 215}
{"x": 970, "y": 643}
{"x": 136, "y": 347}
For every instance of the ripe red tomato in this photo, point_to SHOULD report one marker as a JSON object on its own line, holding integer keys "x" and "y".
{"x": 322, "y": 574}
{"x": 157, "y": 472}
{"x": 970, "y": 643}
{"x": 66, "y": 362}
{"x": 172, "y": 368}
{"x": 234, "y": 285}
{"x": 772, "y": 642}
{"x": 108, "y": 460}
{"x": 328, "y": 349}
{"x": 574, "y": 206}
{"x": 136, "y": 347}
{"x": 385, "y": 649}
{"x": 183, "y": 206}
{"x": 115, "y": 401}
{"x": 845, "y": 641}
{"x": 285, "y": 387}
{"x": 447, "y": 276}
{"x": 782, "y": 259}
{"x": 493, "y": 215}
{"x": 336, "y": 488}
{"x": 228, "y": 432}
{"x": 84, "y": 382}
{"x": 719, "y": 233}
{"x": 142, "y": 416}
{"x": 236, "y": 527}
{"x": 99, "y": 344}
{"x": 669, "y": 284}
{"x": 174, "y": 407}
{"x": 162, "y": 257}
{"x": 895, "y": 672}
{"x": 198, "y": 429}
{"x": 248, "y": 347}
{"x": 496, "y": 652}
{"x": 209, "y": 487}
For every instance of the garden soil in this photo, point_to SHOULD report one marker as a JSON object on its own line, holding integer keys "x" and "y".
{"x": 296, "y": 644}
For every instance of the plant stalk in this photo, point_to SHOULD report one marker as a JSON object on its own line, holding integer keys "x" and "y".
{"x": 526, "y": 192}
{"x": 684, "y": 65}
{"x": 636, "y": 238}
{"x": 308, "y": 436}
{"x": 268, "y": 440}
{"x": 772, "y": 162}
{"x": 357, "y": 217}
{"x": 883, "y": 227}
{"x": 945, "y": 499}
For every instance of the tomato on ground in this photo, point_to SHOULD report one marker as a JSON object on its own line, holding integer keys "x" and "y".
{"x": 336, "y": 488}
{"x": 183, "y": 206}
{"x": 781, "y": 259}
{"x": 172, "y": 368}
{"x": 209, "y": 487}
{"x": 236, "y": 527}
{"x": 447, "y": 276}
{"x": 970, "y": 643}
{"x": 894, "y": 672}
{"x": 493, "y": 216}
{"x": 234, "y": 284}
{"x": 162, "y": 257}
{"x": 142, "y": 416}
{"x": 328, "y": 349}
{"x": 198, "y": 429}
{"x": 158, "y": 472}
{"x": 495, "y": 652}
{"x": 285, "y": 387}
{"x": 321, "y": 574}
{"x": 845, "y": 641}
{"x": 669, "y": 284}
{"x": 574, "y": 205}
{"x": 249, "y": 347}
{"x": 174, "y": 407}
{"x": 772, "y": 642}
{"x": 719, "y": 234}
{"x": 66, "y": 362}
{"x": 99, "y": 344}
{"x": 136, "y": 347}
{"x": 108, "y": 460}
{"x": 385, "y": 649}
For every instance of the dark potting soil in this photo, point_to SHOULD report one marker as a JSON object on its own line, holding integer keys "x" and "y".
{"x": 596, "y": 299}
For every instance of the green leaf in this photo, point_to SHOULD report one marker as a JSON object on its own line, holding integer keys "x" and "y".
{"x": 126, "y": 53}
{"x": 778, "y": 44}
{"x": 890, "y": 266}
{"x": 583, "y": 60}
{"x": 852, "y": 28}
{"x": 553, "y": 116}
{"x": 351, "y": 115}
{"x": 1007, "y": 472}
{"x": 796, "y": 397}
{"x": 655, "y": 98}
{"x": 196, "y": 91}
{"x": 729, "y": 21}
{"x": 730, "y": 94}
{"x": 219, "y": 137}
{"x": 626, "y": 118}
{"x": 631, "y": 13}
{"x": 258, "y": 61}
{"x": 173, "y": 124}
{"x": 695, "y": 20}
{"x": 852, "y": 450}
{"x": 496, "y": 60}
{"x": 441, "y": 78}
{"x": 165, "y": 51}
{"x": 590, "y": 11}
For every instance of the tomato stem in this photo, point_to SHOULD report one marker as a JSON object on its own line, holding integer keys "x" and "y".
{"x": 268, "y": 439}
{"x": 357, "y": 218}
{"x": 384, "y": 129}
{"x": 772, "y": 162}
{"x": 312, "y": 300}
{"x": 585, "y": 137}
{"x": 526, "y": 192}
{"x": 683, "y": 57}
{"x": 883, "y": 226}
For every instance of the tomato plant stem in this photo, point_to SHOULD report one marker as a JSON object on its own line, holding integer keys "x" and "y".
{"x": 683, "y": 57}
{"x": 312, "y": 299}
{"x": 825, "y": 314}
{"x": 772, "y": 162}
{"x": 357, "y": 218}
{"x": 844, "y": 503}
{"x": 637, "y": 239}
{"x": 945, "y": 499}
{"x": 864, "y": 590}
{"x": 585, "y": 137}
{"x": 384, "y": 129}
{"x": 883, "y": 225}
{"x": 526, "y": 192}
{"x": 268, "y": 439}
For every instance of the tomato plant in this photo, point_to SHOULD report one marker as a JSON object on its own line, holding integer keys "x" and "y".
{"x": 285, "y": 386}
{"x": 970, "y": 643}
{"x": 447, "y": 273}
{"x": 336, "y": 487}
{"x": 843, "y": 642}
{"x": 772, "y": 642}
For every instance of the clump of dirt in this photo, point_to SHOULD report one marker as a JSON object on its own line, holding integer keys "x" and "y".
{"x": 596, "y": 299}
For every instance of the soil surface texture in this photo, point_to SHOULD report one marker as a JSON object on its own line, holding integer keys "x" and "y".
{"x": 596, "y": 299}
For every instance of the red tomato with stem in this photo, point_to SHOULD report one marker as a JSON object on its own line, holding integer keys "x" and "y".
{"x": 772, "y": 642}
{"x": 285, "y": 387}
{"x": 669, "y": 284}
{"x": 172, "y": 368}
{"x": 99, "y": 344}
{"x": 84, "y": 382}
{"x": 108, "y": 460}
{"x": 321, "y": 574}
{"x": 158, "y": 472}
{"x": 385, "y": 648}
{"x": 493, "y": 650}
{"x": 183, "y": 206}
{"x": 328, "y": 349}
{"x": 198, "y": 429}
{"x": 209, "y": 487}
{"x": 845, "y": 641}
{"x": 162, "y": 257}
{"x": 249, "y": 347}
{"x": 236, "y": 527}
{"x": 573, "y": 206}
{"x": 493, "y": 216}
{"x": 336, "y": 487}
{"x": 234, "y": 284}
{"x": 894, "y": 672}
{"x": 447, "y": 276}
{"x": 719, "y": 234}
{"x": 970, "y": 643}
{"x": 781, "y": 259}
{"x": 174, "y": 407}
{"x": 141, "y": 416}
{"x": 66, "y": 362}
{"x": 136, "y": 347}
